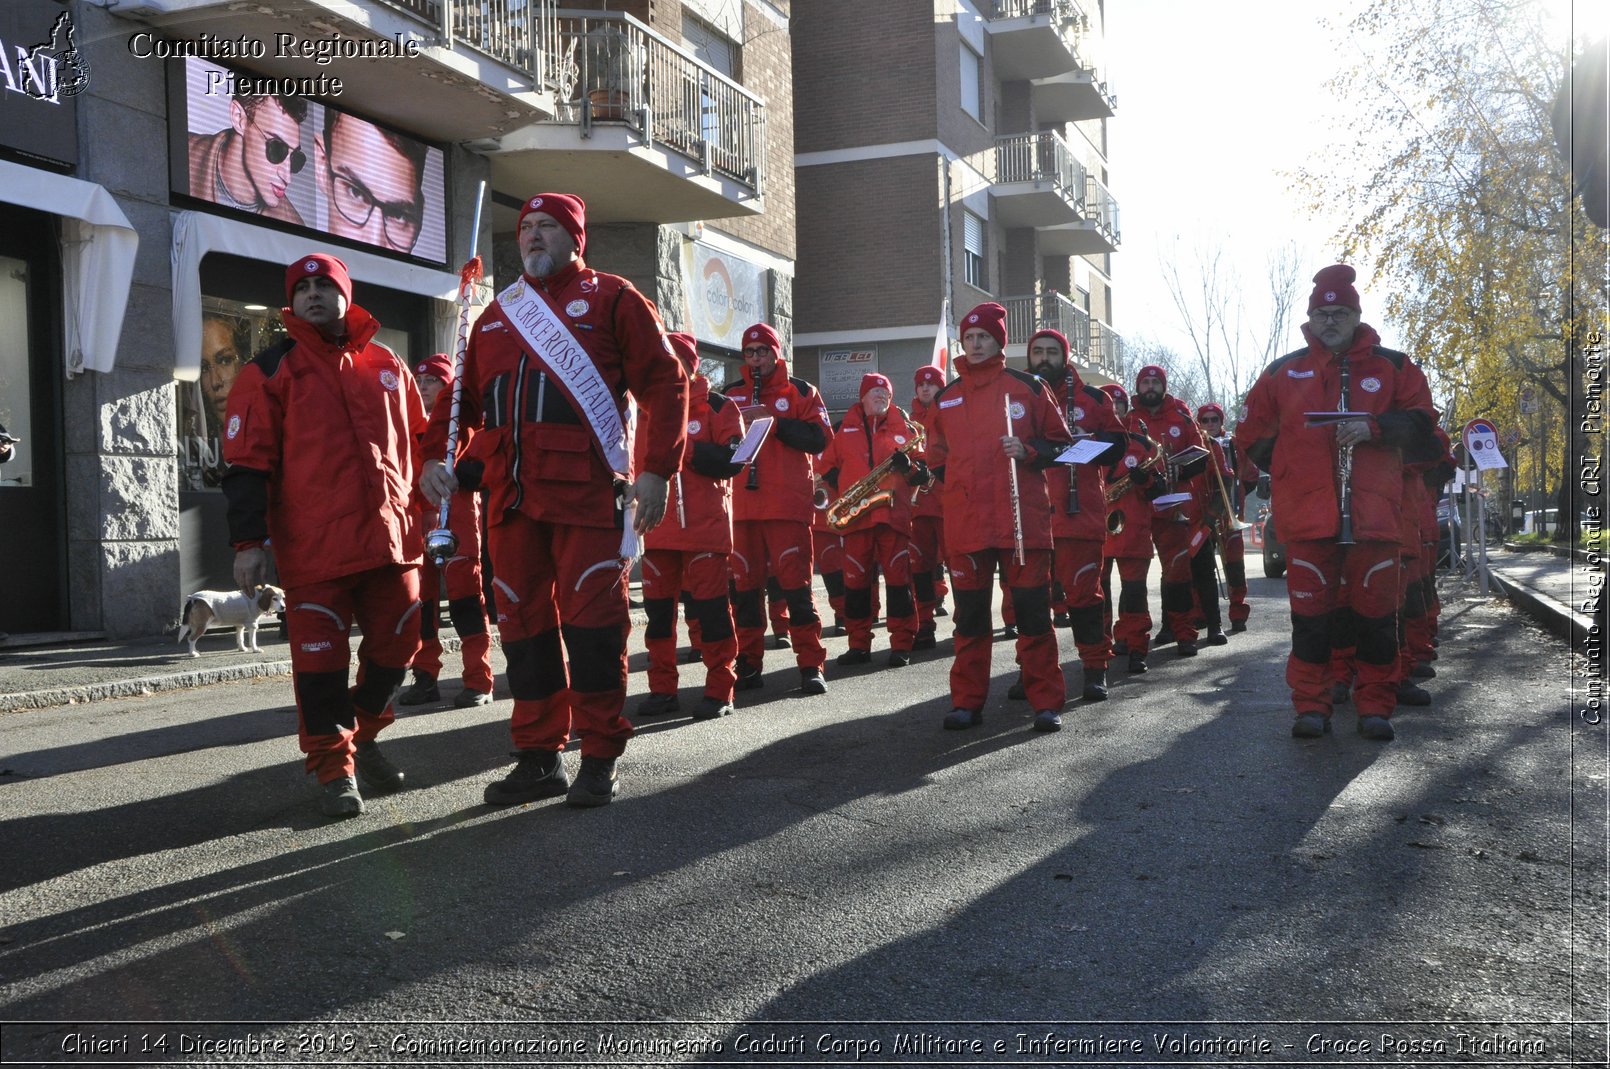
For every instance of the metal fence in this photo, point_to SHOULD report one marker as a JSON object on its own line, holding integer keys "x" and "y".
{"x": 1100, "y": 208}
{"x": 1040, "y": 157}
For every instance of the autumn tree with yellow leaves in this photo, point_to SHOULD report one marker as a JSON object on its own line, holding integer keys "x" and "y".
{"x": 1445, "y": 158}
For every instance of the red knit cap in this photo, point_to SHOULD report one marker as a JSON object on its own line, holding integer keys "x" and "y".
{"x": 314, "y": 265}
{"x": 872, "y": 381}
{"x": 929, "y": 373}
{"x": 438, "y": 364}
{"x": 1212, "y": 407}
{"x": 1151, "y": 371}
{"x": 987, "y": 316}
{"x": 569, "y": 211}
{"x": 761, "y": 333}
{"x": 1334, "y": 286}
{"x": 1047, "y": 332}
{"x": 1116, "y": 392}
{"x": 686, "y": 348}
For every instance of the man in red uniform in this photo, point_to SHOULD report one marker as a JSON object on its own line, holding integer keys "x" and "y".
{"x": 546, "y": 375}
{"x": 1232, "y": 546}
{"x": 1180, "y": 531}
{"x": 771, "y": 531}
{"x": 1341, "y": 534}
{"x": 322, "y": 443}
{"x": 688, "y": 551}
{"x": 991, "y": 422}
{"x": 927, "y": 523}
{"x": 462, "y": 574}
{"x": 1129, "y": 535}
{"x": 878, "y": 538}
{"x": 1079, "y": 504}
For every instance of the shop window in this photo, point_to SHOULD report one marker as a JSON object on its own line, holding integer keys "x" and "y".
{"x": 16, "y": 391}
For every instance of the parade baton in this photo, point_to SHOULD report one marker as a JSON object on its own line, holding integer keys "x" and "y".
{"x": 442, "y": 543}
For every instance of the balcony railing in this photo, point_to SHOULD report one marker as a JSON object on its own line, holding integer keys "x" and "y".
{"x": 1041, "y": 157}
{"x": 1025, "y": 315}
{"x": 1106, "y": 349}
{"x": 1018, "y": 9}
{"x": 511, "y": 31}
{"x": 609, "y": 68}
{"x": 1101, "y": 208}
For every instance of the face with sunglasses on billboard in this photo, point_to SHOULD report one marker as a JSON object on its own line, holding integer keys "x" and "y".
{"x": 370, "y": 181}
{"x": 249, "y": 164}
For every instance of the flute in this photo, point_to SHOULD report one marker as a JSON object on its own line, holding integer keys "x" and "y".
{"x": 1017, "y": 502}
{"x": 1344, "y": 468}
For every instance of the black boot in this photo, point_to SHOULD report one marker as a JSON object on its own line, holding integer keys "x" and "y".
{"x": 1095, "y": 685}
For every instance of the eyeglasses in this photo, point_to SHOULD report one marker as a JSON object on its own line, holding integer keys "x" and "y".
{"x": 1210, "y": 419}
{"x": 757, "y": 350}
{"x": 1339, "y": 313}
{"x": 399, "y": 220}
{"x": 276, "y": 148}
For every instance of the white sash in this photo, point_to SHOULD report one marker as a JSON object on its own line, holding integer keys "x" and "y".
{"x": 554, "y": 343}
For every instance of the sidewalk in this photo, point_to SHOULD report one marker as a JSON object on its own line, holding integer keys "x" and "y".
{"x": 1547, "y": 585}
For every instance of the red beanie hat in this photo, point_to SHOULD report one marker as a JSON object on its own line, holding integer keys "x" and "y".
{"x": 1209, "y": 406}
{"x": 929, "y": 373}
{"x": 439, "y": 364}
{"x": 987, "y": 316}
{"x": 1047, "y": 332}
{"x": 686, "y": 348}
{"x": 762, "y": 333}
{"x": 1151, "y": 371}
{"x": 314, "y": 265}
{"x": 1334, "y": 285}
{"x": 872, "y": 380}
{"x": 1116, "y": 392}
{"x": 569, "y": 211}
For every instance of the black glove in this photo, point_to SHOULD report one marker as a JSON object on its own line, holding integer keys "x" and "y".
{"x": 919, "y": 475}
{"x": 805, "y": 435}
{"x": 899, "y": 462}
{"x": 469, "y": 472}
{"x": 714, "y": 461}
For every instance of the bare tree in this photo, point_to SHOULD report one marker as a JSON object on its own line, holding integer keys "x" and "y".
{"x": 1184, "y": 377}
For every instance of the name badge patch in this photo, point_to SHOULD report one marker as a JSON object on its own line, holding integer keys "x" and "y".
{"x": 1294, "y": 373}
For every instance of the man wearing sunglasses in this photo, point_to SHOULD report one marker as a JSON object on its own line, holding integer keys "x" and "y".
{"x": 371, "y": 182}
{"x": 249, "y": 164}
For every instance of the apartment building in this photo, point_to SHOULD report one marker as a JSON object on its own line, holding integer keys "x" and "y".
{"x": 139, "y": 268}
{"x": 949, "y": 152}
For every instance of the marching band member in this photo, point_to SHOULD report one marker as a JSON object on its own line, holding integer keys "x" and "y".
{"x": 1180, "y": 532}
{"x": 772, "y": 511}
{"x": 1338, "y": 491}
{"x": 927, "y": 524}
{"x": 461, "y": 575}
{"x": 1079, "y": 505}
{"x": 544, "y": 409}
{"x": 1232, "y": 545}
{"x": 994, "y": 431}
{"x": 1129, "y": 535}
{"x": 875, "y": 433}
{"x": 688, "y": 551}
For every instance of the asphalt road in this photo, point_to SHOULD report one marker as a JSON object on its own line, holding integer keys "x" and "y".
{"x": 1170, "y": 879}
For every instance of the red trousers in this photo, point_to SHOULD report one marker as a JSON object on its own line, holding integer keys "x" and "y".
{"x": 972, "y": 575}
{"x": 1076, "y": 563}
{"x": 782, "y": 549}
{"x": 703, "y": 576}
{"x": 562, "y": 592}
{"x": 880, "y": 546}
{"x": 927, "y": 559}
{"x": 468, "y": 613}
{"x": 1235, "y": 576}
{"x": 1177, "y": 543}
{"x": 1331, "y": 586}
{"x": 1134, "y": 625}
{"x": 332, "y": 719}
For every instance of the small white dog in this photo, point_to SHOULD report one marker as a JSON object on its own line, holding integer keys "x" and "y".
{"x": 228, "y": 608}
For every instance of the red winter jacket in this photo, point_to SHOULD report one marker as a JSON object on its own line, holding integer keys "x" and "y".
{"x": 778, "y": 485}
{"x": 860, "y": 443}
{"x": 928, "y": 501}
{"x": 1301, "y": 460}
{"x": 706, "y": 476}
{"x": 1086, "y": 410}
{"x": 1174, "y": 426}
{"x": 964, "y": 447}
{"x": 323, "y": 450}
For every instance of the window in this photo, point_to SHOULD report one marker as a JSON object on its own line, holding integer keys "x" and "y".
{"x": 972, "y": 75}
{"x": 973, "y": 250}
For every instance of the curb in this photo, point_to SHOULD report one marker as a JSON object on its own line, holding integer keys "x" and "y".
{"x": 1558, "y": 618}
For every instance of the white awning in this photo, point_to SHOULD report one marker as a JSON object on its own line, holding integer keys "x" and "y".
{"x": 195, "y": 234}
{"x": 98, "y": 247}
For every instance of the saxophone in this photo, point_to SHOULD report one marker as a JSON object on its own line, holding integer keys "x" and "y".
{"x": 865, "y": 493}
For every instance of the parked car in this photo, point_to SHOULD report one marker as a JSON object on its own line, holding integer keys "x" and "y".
{"x": 1274, "y": 550}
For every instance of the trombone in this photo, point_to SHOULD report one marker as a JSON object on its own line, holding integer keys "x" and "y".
{"x": 1231, "y": 523}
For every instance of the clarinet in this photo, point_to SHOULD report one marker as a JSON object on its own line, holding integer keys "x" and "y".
{"x": 754, "y": 475}
{"x": 1073, "y": 469}
{"x": 1344, "y": 468}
